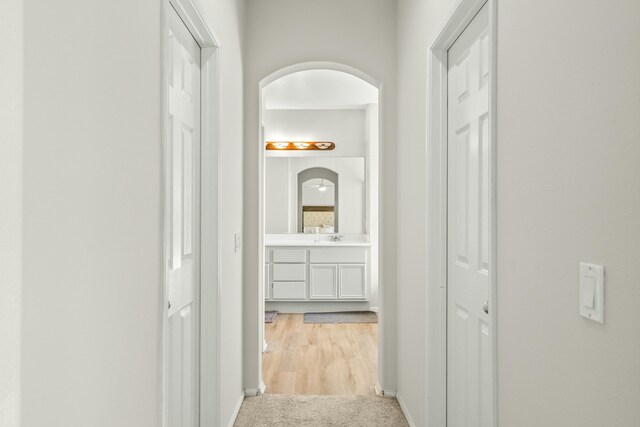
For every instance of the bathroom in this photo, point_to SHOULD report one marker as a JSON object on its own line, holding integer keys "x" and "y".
{"x": 320, "y": 243}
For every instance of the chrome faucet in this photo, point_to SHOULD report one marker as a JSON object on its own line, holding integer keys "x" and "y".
{"x": 336, "y": 238}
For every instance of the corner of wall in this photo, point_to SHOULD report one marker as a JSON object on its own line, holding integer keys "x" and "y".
{"x": 11, "y": 194}
{"x": 405, "y": 411}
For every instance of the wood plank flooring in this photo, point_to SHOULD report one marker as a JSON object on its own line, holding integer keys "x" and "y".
{"x": 320, "y": 359}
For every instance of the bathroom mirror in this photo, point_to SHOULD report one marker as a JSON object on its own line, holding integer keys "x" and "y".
{"x": 318, "y": 201}
{"x": 315, "y": 195}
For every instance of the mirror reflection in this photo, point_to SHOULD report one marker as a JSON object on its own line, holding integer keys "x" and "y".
{"x": 315, "y": 195}
{"x": 317, "y": 205}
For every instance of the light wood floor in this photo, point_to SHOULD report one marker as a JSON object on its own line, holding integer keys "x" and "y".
{"x": 327, "y": 359}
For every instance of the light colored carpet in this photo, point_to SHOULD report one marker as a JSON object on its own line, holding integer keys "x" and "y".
{"x": 342, "y": 317}
{"x": 320, "y": 411}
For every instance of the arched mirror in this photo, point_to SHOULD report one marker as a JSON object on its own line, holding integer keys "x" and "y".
{"x": 318, "y": 201}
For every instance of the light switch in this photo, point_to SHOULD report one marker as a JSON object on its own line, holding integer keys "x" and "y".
{"x": 588, "y": 292}
{"x": 592, "y": 292}
{"x": 237, "y": 239}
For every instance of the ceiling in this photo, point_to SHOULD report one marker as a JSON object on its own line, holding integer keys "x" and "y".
{"x": 319, "y": 90}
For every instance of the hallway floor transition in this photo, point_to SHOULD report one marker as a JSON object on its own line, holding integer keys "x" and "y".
{"x": 320, "y": 411}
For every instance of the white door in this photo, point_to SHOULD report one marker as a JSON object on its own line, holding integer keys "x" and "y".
{"x": 469, "y": 369}
{"x": 183, "y": 191}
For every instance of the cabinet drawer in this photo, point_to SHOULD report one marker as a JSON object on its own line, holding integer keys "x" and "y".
{"x": 284, "y": 272}
{"x": 338, "y": 256}
{"x": 289, "y": 290}
{"x": 289, "y": 255}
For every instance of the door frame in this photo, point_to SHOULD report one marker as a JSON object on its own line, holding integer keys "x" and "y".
{"x": 210, "y": 243}
{"x": 436, "y": 213}
{"x": 385, "y": 373}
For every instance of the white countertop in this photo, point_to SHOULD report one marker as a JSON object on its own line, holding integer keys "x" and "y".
{"x": 312, "y": 241}
{"x": 319, "y": 244}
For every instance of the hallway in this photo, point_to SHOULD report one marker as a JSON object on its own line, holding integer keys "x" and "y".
{"x": 136, "y": 263}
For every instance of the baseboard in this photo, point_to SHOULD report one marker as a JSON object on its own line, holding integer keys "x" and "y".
{"x": 236, "y": 411}
{"x": 255, "y": 391}
{"x": 406, "y": 413}
{"x": 374, "y": 309}
{"x": 389, "y": 393}
{"x": 379, "y": 391}
{"x": 316, "y": 306}
{"x": 384, "y": 393}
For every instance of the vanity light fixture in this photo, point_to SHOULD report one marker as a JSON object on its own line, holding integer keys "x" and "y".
{"x": 300, "y": 145}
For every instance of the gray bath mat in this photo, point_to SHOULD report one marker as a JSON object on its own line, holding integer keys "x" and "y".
{"x": 270, "y": 316}
{"x": 342, "y": 317}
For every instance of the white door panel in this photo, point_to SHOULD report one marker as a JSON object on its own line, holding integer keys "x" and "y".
{"x": 469, "y": 370}
{"x": 183, "y": 190}
{"x": 353, "y": 281}
{"x": 323, "y": 281}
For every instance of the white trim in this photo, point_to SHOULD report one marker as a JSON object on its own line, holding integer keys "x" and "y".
{"x": 405, "y": 411}
{"x": 210, "y": 226}
{"x": 389, "y": 393}
{"x": 436, "y": 215}
{"x": 384, "y": 393}
{"x": 255, "y": 391}
{"x": 189, "y": 12}
{"x": 374, "y": 309}
{"x": 381, "y": 197}
{"x": 236, "y": 410}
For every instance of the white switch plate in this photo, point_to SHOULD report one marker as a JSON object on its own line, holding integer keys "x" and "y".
{"x": 238, "y": 241}
{"x": 592, "y": 292}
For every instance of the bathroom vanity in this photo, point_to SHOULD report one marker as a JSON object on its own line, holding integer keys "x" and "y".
{"x": 302, "y": 270}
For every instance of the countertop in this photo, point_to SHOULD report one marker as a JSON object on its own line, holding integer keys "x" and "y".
{"x": 319, "y": 244}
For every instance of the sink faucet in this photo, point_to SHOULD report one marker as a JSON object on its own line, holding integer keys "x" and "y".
{"x": 336, "y": 238}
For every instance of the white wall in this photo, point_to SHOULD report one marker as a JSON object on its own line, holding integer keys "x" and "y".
{"x": 372, "y": 173}
{"x": 344, "y": 127}
{"x": 583, "y": 100}
{"x": 568, "y": 185}
{"x": 281, "y": 33}
{"x": 277, "y": 196}
{"x": 92, "y": 211}
{"x": 11, "y": 143}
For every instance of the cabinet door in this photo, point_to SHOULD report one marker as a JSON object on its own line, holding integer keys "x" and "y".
{"x": 353, "y": 281}
{"x": 267, "y": 280}
{"x": 323, "y": 281}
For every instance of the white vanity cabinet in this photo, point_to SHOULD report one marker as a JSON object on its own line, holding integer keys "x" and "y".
{"x": 336, "y": 273}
